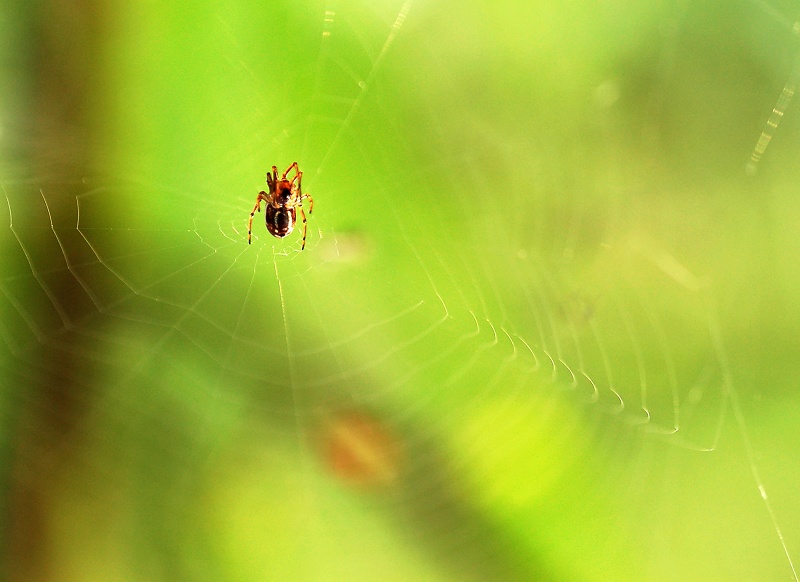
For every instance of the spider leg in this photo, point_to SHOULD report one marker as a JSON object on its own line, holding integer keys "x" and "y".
{"x": 274, "y": 179}
{"x": 289, "y": 169}
{"x": 303, "y": 216}
{"x": 310, "y": 202}
{"x": 261, "y": 196}
{"x": 300, "y": 194}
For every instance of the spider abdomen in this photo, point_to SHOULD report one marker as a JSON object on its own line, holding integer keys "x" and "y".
{"x": 280, "y": 220}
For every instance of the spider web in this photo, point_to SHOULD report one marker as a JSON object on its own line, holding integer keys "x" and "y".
{"x": 542, "y": 325}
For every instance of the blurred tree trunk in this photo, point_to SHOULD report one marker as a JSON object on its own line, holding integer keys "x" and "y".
{"x": 60, "y": 48}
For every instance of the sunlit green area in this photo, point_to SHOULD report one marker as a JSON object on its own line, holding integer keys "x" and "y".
{"x": 544, "y": 326}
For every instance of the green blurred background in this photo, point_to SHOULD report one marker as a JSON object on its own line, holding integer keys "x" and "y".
{"x": 545, "y": 326}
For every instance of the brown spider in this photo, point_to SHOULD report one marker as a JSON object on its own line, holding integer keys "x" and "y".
{"x": 283, "y": 200}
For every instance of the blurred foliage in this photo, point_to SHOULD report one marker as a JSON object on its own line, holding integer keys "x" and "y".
{"x": 539, "y": 289}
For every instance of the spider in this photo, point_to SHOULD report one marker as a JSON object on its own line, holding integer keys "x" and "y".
{"x": 283, "y": 200}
